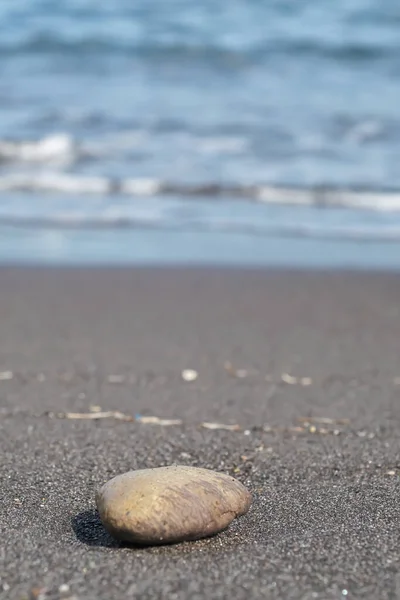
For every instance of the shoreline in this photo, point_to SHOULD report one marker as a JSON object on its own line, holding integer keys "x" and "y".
{"x": 145, "y": 248}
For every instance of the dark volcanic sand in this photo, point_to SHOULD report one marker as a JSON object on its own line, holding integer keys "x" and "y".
{"x": 325, "y": 520}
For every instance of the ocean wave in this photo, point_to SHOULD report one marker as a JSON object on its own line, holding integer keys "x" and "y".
{"x": 321, "y": 197}
{"x": 43, "y": 44}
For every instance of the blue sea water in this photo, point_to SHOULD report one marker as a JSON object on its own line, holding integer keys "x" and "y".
{"x": 240, "y": 132}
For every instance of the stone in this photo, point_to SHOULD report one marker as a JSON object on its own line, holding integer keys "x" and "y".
{"x": 170, "y": 504}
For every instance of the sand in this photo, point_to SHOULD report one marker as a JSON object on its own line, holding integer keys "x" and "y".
{"x": 306, "y": 368}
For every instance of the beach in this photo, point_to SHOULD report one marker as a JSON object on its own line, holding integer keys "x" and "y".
{"x": 240, "y": 305}
{"x": 295, "y": 392}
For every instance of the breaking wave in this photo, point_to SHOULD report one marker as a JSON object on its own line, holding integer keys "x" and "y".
{"x": 319, "y": 196}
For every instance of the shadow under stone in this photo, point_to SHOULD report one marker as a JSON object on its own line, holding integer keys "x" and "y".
{"x": 89, "y": 530}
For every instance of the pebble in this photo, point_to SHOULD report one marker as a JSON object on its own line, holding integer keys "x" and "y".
{"x": 189, "y": 375}
{"x": 170, "y": 504}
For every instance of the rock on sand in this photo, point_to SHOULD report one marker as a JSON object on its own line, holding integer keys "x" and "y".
{"x": 170, "y": 504}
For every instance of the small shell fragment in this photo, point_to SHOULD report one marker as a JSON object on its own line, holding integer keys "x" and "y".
{"x": 221, "y": 426}
{"x": 6, "y": 375}
{"x": 323, "y": 420}
{"x": 292, "y": 380}
{"x": 189, "y": 375}
{"x": 289, "y": 379}
{"x": 149, "y": 420}
{"x": 111, "y": 414}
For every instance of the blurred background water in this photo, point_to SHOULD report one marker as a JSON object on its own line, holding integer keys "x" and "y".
{"x": 232, "y": 132}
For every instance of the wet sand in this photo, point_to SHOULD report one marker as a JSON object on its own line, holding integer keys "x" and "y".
{"x": 304, "y": 367}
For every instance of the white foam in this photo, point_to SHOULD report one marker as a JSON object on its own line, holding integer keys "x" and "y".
{"x": 140, "y": 187}
{"x": 276, "y": 195}
{"x": 53, "y": 148}
{"x": 378, "y": 201}
{"x": 55, "y": 182}
{"x": 386, "y": 201}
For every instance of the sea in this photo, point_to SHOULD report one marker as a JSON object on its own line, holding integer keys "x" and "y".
{"x": 240, "y": 132}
